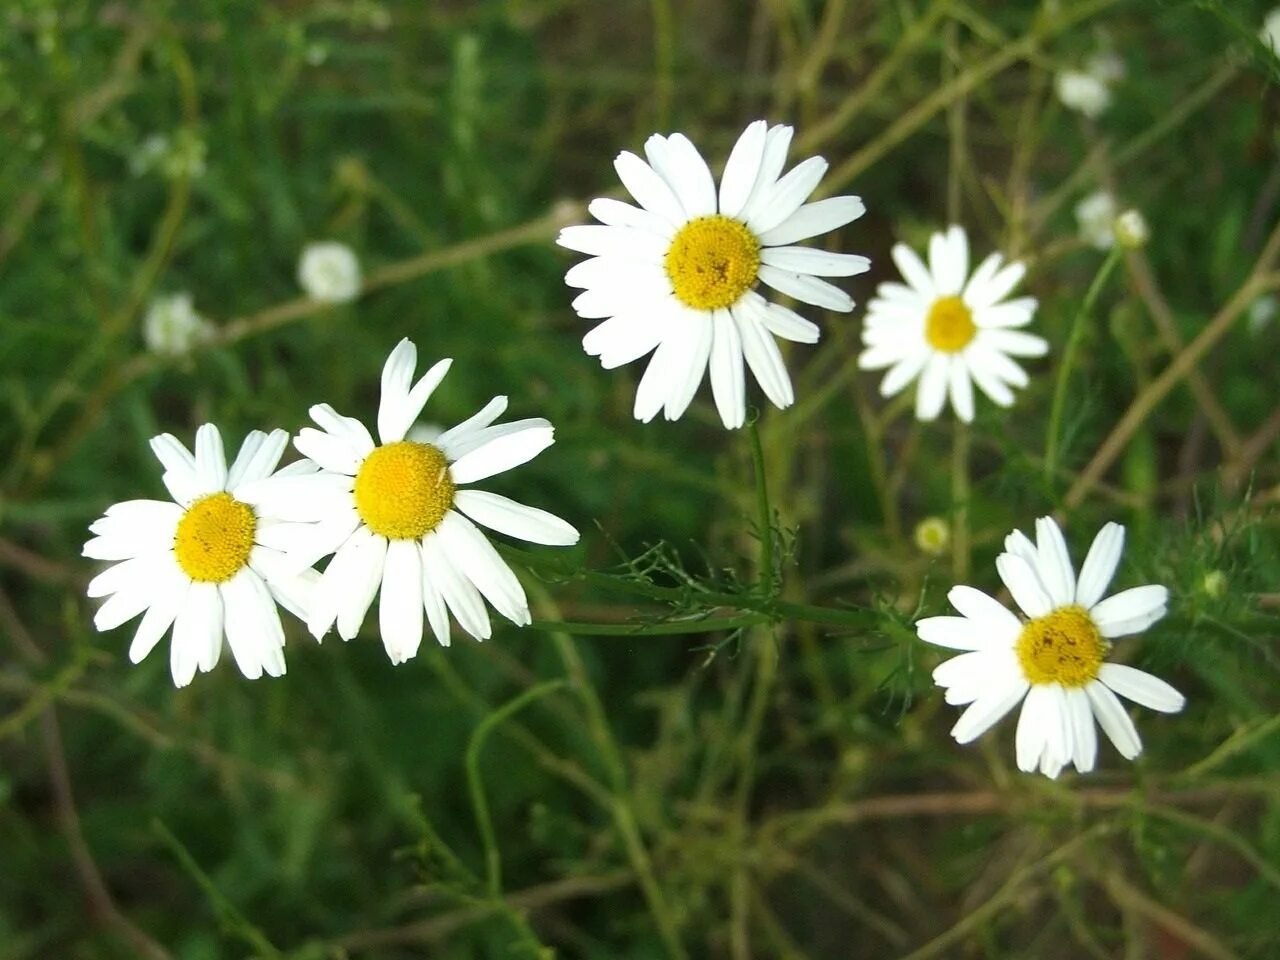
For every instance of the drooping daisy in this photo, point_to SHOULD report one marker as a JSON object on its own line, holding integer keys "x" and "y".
{"x": 395, "y": 515}
{"x": 678, "y": 274}
{"x": 949, "y": 331}
{"x": 199, "y": 563}
{"x": 1056, "y": 659}
{"x": 329, "y": 271}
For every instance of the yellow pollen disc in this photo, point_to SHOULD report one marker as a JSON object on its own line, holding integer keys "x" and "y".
{"x": 949, "y": 326}
{"x": 214, "y": 538}
{"x": 712, "y": 262}
{"x": 1063, "y": 647}
{"x": 403, "y": 489}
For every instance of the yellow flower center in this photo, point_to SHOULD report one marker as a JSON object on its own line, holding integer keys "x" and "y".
{"x": 1062, "y": 647}
{"x": 403, "y": 489}
{"x": 949, "y": 327}
{"x": 214, "y": 537}
{"x": 712, "y": 262}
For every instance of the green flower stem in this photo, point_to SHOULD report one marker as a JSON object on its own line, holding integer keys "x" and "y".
{"x": 669, "y": 628}
{"x": 766, "y": 574}
{"x": 768, "y": 609}
{"x": 1068, "y": 361}
{"x": 479, "y": 801}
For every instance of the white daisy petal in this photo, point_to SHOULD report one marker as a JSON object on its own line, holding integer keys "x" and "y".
{"x": 656, "y": 382}
{"x": 355, "y": 433}
{"x": 466, "y": 436}
{"x": 211, "y": 461}
{"x": 806, "y": 288}
{"x": 741, "y": 168}
{"x": 366, "y": 570}
{"x": 1114, "y": 720}
{"x": 981, "y": 277}
{"x": 1084, "y": 736}
{"x": 960, "y": 389}
{"x": 787, "y": 195}
{"x": 616, "y": 213}
{"x": 328, "y": 451}
{"x": 999, "y": 287}
{"x": 981, "y": 715}
{"x": 433, "y": 602}
{"x": 1054, "y": 562}
{"x": 515, "y": 519}
{"x": 965, "y": 669}
{"x": 1035, "y": 724}
{"x": 1141, "y": 687}
{"x": 762, "y": 355}
{"x": 1024, "y": 585}
{"x": 777, "y": 143}
{"x": 786, "y": 323}
{"x": 643, "y": 246}
{"x": 1015, "y": 343}
{"x": 991, "y": 385}
{"x": 624, "y": 338}
{"x": 814, "y": 219}
{"x": 170, "y": 597}
{"x": 692, "y": 181}
{"x": 474, "y": 557}
{"x": 396, "y": 416}
{"x": 963, "y": 633}
{"x": 335, "y": 584}
{"x": 692, "y": 345}
{"x": 914, "y": 271}
{"x": 995, "y": 364}
{"x": 1130, "y": 611}
{"x": 902, "y": 373}
{"x": 976, "y": 605}
{"x": 931, "y": 395}
{"x": 814, "y": 262}
{"x": 198, "y": 624}
{"x": 460, "y": 595}
{"x": 948, "y": 261}
{"x": 727, "y": 383}
{"x": 259, "y": 456}
{"x": 400, "y": 608}
{"x": 1100, "y": 565}
{"x": 648, "y": 189}
{"x": 505, "y": 447}
{"x": 253, "y": 626}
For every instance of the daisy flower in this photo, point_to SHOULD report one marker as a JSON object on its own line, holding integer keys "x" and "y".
{"x": 678, "y": 275}
{"x": 1054, "y": 661}
{"x": 395, "y": 516}
{"x": 329, "y": 272}
{"x": 949, "y": 331}
{"x": 199, "y": 563}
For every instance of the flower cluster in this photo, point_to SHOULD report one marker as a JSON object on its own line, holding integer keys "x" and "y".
{"x": 396, "y": 517}
{"x": 394, "y": 512}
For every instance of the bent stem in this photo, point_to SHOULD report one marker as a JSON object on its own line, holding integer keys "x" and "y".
{"x": 1068, "y": 360}
{"x": 479, "y": 801}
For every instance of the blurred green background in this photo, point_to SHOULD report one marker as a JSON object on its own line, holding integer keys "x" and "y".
{"x": 787, "y": 792}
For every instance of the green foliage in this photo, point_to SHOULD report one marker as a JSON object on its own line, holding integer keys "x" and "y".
{"x": 721, "y": 738}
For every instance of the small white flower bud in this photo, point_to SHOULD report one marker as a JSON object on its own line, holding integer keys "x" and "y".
{"x": 330, "y": 272}
{"x": 1132, "y": 231}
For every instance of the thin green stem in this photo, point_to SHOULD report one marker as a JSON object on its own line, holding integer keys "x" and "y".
{"x": 960, "y": 545}
{"x": 667, "y": 629}
{"x": 1068, "y": 361}
{"x": 479, "y": 802}
{"x": 764, "y": 511}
